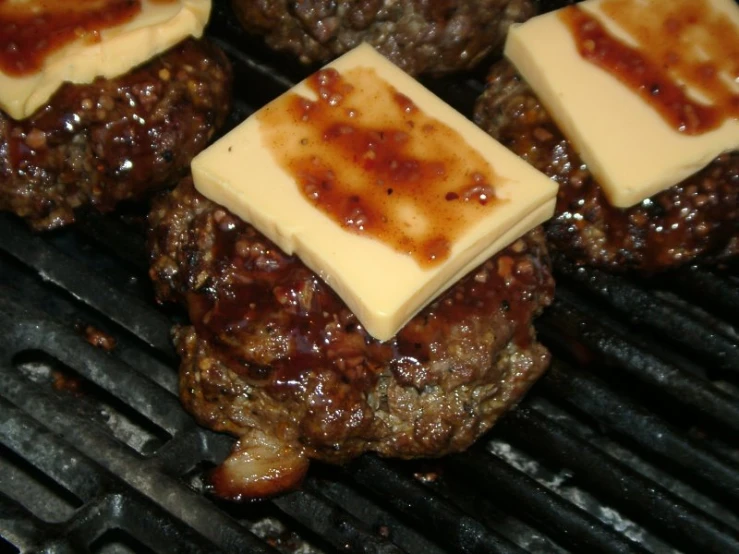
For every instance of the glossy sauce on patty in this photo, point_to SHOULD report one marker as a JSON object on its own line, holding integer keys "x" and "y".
{"x": 257, "y": 294}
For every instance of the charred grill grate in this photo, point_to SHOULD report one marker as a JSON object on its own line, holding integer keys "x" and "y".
{"x": 629, "y": 444}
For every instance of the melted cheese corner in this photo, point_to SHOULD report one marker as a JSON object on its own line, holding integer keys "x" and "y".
{"x": 631, "y": 151}
{"x": 383, "y": 287}
{"x": 159, "y": 26}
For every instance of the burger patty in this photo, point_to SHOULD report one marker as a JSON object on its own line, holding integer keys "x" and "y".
{"x": 113, "y": 139}
{"x": 697, "y": 219}
{"x": 274, "y": 357}
{"x": 418, "y": 35}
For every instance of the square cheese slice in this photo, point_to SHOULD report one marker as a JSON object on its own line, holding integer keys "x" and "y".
{"x": 155, "y": 28}
{"x": 382, "y": 284}
{"x": 628, "y": 146}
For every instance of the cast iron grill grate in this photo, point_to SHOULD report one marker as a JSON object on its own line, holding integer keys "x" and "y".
{"x": 629, "y": 444}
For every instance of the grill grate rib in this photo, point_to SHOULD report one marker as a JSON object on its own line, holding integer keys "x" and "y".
{"x": 646, "y": 500}
{"x": 333, "y": 524}
{"x": 448, "y": 525}
{"x": 139, "y": 318}
{"x": 646, "y": 310}
{"x": 623, "y": 352}
{"x": 569, "y": 525}
{"x": 628, "y": 444}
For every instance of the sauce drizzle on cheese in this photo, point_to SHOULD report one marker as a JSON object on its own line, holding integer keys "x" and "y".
{"x": 697, "y": 49}
{"x": 369, "y": 158}
{"x": 32, "y": 30}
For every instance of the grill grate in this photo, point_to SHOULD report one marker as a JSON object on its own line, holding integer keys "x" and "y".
{"x": 628, "y": 444}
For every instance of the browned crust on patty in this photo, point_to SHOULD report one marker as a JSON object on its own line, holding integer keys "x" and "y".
{"x": 113, "y": 139}
{"x": 418, "y": 35}
{"x": 272, "y": 350}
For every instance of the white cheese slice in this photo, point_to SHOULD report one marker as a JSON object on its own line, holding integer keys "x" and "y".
{"x": 157, "y": 27}
{"x": 630, "y": 149}
{"x": 382, "y": 286}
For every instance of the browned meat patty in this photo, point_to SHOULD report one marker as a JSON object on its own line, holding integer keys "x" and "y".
{"x": 418, "y": 35}
{"x": 695, "y": 220}
{"x": 274, "y": 357}
{"x": 114, "y": 139}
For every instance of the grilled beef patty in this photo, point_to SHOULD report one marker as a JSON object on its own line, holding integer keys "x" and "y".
{"x": 695, "y": 220}
{"x": 274, "y": 357}
{"x": 418, "y": 35}
{"x": 114, "y": 139}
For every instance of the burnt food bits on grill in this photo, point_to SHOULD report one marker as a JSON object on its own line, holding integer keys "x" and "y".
{"x": 418, "y": 36}
{"x": 397, "y": 348}
{"x": 694, "y": 220}
{"x": 111, "y": 139}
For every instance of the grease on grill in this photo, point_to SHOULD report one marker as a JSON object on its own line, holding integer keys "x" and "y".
{"x": 697, "y": 49}
{"x": 375, "y": 163}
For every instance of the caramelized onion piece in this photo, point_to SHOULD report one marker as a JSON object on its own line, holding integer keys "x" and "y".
{"x": 259, "y": 466}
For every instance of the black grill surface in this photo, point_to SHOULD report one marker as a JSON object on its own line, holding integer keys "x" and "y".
{"x": 630, "y": 443}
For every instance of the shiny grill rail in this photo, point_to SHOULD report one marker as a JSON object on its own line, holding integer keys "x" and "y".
{"x": 629, "y": 444}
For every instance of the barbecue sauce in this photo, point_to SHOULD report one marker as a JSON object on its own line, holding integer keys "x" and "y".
{"x": 697, "y": 49}
{"x": 375, "y": 163}
{"x": 31, "y": 31}
{"x": 256, "y": 291}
